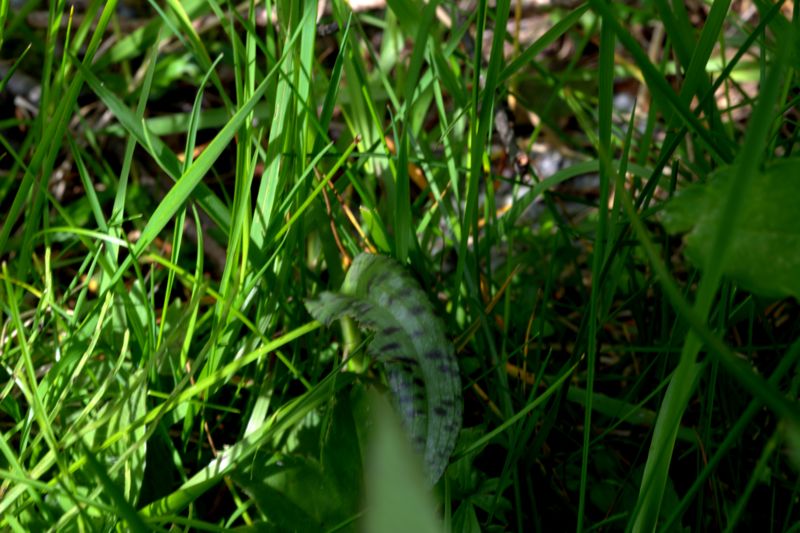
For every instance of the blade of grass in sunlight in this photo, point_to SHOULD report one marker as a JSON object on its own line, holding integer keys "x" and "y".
{"x": 122, "y": 507}
{"x": 43, "y": 156}
{"x": 161, "y": 154}
{"x": 186, "y": 184}
{"x": 281, "y": 421}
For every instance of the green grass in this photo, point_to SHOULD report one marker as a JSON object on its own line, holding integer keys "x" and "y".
{"x": 628, "y": 356}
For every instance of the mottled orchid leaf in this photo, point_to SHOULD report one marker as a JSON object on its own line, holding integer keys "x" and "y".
{"x": 419, "y": 360}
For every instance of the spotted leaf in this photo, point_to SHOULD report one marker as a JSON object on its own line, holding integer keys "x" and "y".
{"x": 409, "y": 341}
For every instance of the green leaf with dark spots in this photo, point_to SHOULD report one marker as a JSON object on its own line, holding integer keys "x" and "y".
{"x": 419, "y": 361}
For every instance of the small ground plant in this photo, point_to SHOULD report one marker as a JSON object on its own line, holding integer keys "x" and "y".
{"x": 401, "y": 265}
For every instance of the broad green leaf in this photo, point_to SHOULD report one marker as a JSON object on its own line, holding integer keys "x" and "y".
{"x": 297, "y": 492}
{"x": 291, "y": 492}
{"x": 397, "y": 498}
{"x": 465, "y": 519}
{"x": 241, "y": 454}
{"x": 342, "y": 448}
{"x": 410, "y": 342}
{"x": 764, "y": 255}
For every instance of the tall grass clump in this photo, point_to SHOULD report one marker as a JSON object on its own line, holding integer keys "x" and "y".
{"x": 586, "y": 316}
